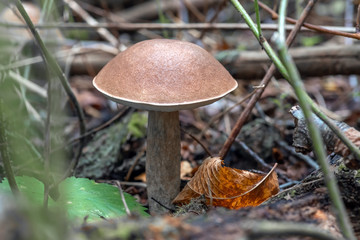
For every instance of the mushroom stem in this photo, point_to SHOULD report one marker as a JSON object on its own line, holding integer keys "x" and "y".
{"x": 162, "y": 159}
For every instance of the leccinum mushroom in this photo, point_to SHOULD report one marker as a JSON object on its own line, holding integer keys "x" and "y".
{"x": 164, "y": 76}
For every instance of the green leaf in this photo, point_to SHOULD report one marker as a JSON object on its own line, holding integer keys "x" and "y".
{"x": 81, "y": 197}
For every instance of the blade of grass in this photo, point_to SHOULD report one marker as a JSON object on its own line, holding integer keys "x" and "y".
{"x": 282, "y": 69}
{"x": 5, "y": 153}
{"x": 318, "y": 144}
{"x": 54, "y": 67}
{"x": 257, "y": 12}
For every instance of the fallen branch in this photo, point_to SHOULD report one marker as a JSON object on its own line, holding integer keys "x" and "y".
{"x": 311, "y": 61}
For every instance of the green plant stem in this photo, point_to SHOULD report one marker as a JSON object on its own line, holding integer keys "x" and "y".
{"x": 318, "y": 145}
{"x": 264, "y": 82}
{"x": 54, "y": 67}
{"x": 257, "y": 12}
{"x": 268, "y": 49}
{"x": 5, "y": 153}
{"x": 279, "y": 65}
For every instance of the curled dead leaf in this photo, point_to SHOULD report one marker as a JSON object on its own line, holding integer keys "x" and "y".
{"x": 228, "y": 187}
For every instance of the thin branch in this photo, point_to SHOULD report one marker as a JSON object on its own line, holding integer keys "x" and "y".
{"x": 198, "y": 141}
{"x": 123, "y": 198}
{"x": 119, "y": 115}
{"x": 92, "y": 22}
{"x": 137, "y": 159}
{"x": 28, "y": 84}
{"x": 267, "y": 229}
{"x": 254, "y": 156}
{"x": 174, "y": 26}
{"x": 219, "y": 7}
{"x": 274, "y": 15}
{"x": 308, "y": 160}
{"x": 219, "y": 115}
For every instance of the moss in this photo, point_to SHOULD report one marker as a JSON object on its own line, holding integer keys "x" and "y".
{"x": 342, "y": 167}
{"x": 292, "y": 193}
{"x": 357, "y": 175}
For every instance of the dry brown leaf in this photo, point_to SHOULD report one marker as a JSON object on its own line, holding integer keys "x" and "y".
{"x": 228, "y": 187}
{"x": 185, "y": 170}
{"x": 141, "y": 177}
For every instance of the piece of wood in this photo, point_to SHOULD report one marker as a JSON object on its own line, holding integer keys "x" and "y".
{"x": 150, "y": 9}
{"x": 310, "y": 61}
{"x": 162, "y": 159}
{"x": 245, "y": 65}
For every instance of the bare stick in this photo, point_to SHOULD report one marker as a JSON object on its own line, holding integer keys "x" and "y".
{"x": 219, "y": 115}
{"x": 254, "y": 155}
{"x": 335, "y": 30}
{"x": 274, "y": 15}
{"x": 91, "y": 21}
{"x": 123, "y": 198}
{"x": 137, "y": 158}
{"x": 198, "y": 141}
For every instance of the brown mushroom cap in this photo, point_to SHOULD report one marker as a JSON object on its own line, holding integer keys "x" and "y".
{"x": 164, "y": 75}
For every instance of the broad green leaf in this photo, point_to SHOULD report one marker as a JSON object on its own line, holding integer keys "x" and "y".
{"x": 81, "y": 197}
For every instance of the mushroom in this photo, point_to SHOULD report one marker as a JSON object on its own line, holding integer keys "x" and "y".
{"x": 164, "y": 76}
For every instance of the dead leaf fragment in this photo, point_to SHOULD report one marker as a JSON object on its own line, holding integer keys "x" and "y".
{"x": 228, "y": 187}
{"x": 185, "y": 170}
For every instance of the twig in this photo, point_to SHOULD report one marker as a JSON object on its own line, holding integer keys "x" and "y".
{"x": 94, "y": 47}
{"x": 267, "y": 229}
{"x": 193, "y": 9}
{"x": 311, "y": 26}
{"x": 162, "y": 205}
{"x": 28, "y": 84}
{"x": 318, "y": 146}
{"x": 198, "y": 141}
{"x": 305, "y": 158}
{"x": 137, "y": 158}
{"x": 5, "y": 153}
{"x": 174, "y": 26}
{"x": 265, "y": 81}
{"x": 125, "y": 111}
{"x": 254, "y": 155}
{"x": 91, "y": 21}
{"x": 136, "y": 184}
{"x": 123, "y": 198}
{"x": 220, "y": 6}
{"x": 219, "y": 115}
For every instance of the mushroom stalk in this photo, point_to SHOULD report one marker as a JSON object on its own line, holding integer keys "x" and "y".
{"x": 162, "y": 159}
